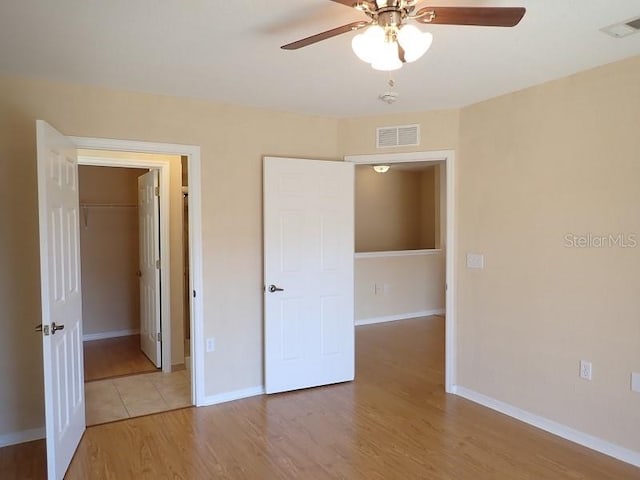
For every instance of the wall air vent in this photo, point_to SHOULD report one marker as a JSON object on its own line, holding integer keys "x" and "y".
{"x": 398, "y": 136}
{"x": 623, "y": 29}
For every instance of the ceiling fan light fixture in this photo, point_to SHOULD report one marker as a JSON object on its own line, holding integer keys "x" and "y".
{"x": 414, "y": 42}
{"x": 387, "y": 58}
{"x": 378, "y": 46}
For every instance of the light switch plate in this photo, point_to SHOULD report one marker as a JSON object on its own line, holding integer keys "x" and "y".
{"x": 475, "y": 260}
{"x": 635, "y": 382}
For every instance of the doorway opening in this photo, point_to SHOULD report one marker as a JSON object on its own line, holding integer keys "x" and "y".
{"x": 399, "y": 259}
{"x": 189, "y": 156}
{"x": 110, "y": 252}
{"x": 153, "y": 188}
{"x": 424, "y": 274}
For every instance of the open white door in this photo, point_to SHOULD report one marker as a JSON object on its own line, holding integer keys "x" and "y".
{"x": 309, "y": 255}
{"x": 61, "y": 297}
{"x": 149, "y": 237}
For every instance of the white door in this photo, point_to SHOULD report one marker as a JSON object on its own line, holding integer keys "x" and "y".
{"x": 61, "y": 297}
{"x": 148, "y": 225}
{"x": 308, "y": 273}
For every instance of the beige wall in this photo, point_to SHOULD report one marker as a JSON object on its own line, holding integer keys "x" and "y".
{"x": 438, "y": 131}
{"x": 109, "y": 249}
{"x": 399, "y": 285}
{"x": 387, "y": 209}
{"x": 532, "y": 167}
{"x": 394, "y": 210}
{"x": 233, "y": 141}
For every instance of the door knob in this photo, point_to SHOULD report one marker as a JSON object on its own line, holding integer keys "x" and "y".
{"x": 55, "y": 328}
{"x": 273, "y": 288}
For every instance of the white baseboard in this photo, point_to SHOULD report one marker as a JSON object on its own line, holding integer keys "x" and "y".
{"x": 116, "y": 333}
{"x": 559, "y": 429}
{"x": 230, "y": 396}
{"x": 402, "y": 316}
{"x": 21, "y": 437}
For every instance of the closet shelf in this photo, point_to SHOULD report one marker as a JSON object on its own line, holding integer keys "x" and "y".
{"x": 86, "y": 206}
{"x": 108, "y": 205}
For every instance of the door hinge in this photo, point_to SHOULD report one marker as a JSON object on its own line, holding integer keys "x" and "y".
{"x": 157, "y": 191}
{"x": 158, "y": 264}
{"x": 159, "y": 336}
{"x": 194, "y": 294}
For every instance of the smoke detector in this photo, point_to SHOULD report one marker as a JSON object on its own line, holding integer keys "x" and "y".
{"x": 388, "y": 97}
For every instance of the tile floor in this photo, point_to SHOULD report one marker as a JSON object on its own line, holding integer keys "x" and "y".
{"x": 136, "y": 395}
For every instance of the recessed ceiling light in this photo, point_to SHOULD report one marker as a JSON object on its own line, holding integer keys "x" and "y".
{"x": 381, "y": 168}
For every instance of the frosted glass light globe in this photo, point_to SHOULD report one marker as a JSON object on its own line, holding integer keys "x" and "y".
{"x": 366, "y": 44}
{"x": 414, "y": 42}
{"x": 387, "y": 58}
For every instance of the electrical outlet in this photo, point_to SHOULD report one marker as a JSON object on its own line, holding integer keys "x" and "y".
{"x": 211, "y": 344}
{"x": 585, "y": 370}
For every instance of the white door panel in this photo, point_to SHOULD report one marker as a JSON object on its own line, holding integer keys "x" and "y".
{"x": 308, "y": 249}
{"x": 149, "y": 238}
{"x": 61, "y": 296}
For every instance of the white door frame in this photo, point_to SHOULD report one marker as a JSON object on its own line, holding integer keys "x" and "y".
{"x": 195, "y": 237}
{"x": 448, "y": 157}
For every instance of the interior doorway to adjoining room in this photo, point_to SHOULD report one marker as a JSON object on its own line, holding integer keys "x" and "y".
{"x": 433, "y": 246}
{"x": 399, "y": 225}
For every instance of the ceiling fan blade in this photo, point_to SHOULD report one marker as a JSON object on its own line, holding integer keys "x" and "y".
{"x": 478, "y": 16}
{"x": 324, "y": 35}
{"x": 348, "y": 3}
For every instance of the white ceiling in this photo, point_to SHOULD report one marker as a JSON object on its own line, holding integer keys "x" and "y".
{"x": 229, "y": 51}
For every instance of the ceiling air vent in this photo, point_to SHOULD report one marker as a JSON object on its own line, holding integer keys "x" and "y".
{"x": 400, "y": 136}
{"x": 624, "y": 29}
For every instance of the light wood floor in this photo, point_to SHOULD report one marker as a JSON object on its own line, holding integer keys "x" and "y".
{"x": 393, "y": 422}
{"x": 113, "y": 357}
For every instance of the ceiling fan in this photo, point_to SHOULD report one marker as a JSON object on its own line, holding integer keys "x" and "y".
{"x": 390, "y": 41}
